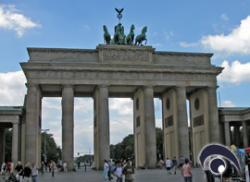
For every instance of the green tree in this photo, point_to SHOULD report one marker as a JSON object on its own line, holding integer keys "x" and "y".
{"x": 52, "y": 150}
{"x": 159, "y": 143}
{"x": 125, "y": 149}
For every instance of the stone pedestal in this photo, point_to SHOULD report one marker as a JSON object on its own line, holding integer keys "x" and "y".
{"x": 214, "y": 126}
{"x": 227, "y": 134}
{"x": 32, "y": 126}
{"x": 15, "y": 152}
{"x": 182, "y": 122}
{"x": 101, "y": 126}
{"x": 2, "y": 145}
{"x": 68, "y": 126}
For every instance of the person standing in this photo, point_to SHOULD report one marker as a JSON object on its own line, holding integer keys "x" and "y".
{"x": 106, "y": 170}
{"x": 168, "y": 164}
{"x": 118, "y": 172}
{"x": 53, "y": 168}
{"x": 128, "y": 170}
{"x": 85, "y": 166}
{"x": 34, "y": 173}
{"x": 186, "y": 171}
{"x": 42, "y": 167}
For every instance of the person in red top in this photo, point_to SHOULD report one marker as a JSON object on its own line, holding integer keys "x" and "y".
{"x": 186, "y": 171}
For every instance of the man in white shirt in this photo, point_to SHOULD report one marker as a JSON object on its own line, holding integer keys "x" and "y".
{"x": 168, "y": 164}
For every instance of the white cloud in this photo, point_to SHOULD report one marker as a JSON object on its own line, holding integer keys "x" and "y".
{"x": 236, "y": 72}
{"x": 237, "y": 41}
{"x": 12, "y": 88}
{"x": 12, "y": 19}
{"x": 228, "y": 103}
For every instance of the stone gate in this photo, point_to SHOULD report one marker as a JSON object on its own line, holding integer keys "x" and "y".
{"x": 138, "y": 72}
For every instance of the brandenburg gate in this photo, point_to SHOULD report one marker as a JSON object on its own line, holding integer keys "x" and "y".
{"x": 137, "y": 72}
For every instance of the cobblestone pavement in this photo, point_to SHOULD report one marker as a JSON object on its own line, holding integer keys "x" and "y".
{"x": 140, "y": 176}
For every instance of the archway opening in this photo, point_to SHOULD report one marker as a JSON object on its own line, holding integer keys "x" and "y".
{"x": 121, "y": 128}
{"x": 159, "y": 128}
{"x": 83, "y": 130}
{"x": 51, "y": 129}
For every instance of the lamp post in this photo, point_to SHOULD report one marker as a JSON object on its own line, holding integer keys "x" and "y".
{"x": 44, "y": 145}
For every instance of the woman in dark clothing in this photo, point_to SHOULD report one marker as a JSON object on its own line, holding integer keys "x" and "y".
{"x": 27, "y": 173}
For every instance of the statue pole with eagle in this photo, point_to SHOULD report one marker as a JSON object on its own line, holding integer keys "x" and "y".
{"x": 120, "y": 38}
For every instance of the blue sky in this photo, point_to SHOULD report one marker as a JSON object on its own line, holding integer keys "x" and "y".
{"x": 221, "y": 27}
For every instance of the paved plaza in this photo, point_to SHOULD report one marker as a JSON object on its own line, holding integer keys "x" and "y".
{"x": 156, "y": 175}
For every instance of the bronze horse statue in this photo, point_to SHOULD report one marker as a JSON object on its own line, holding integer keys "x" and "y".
{"x": 141, "y": 37}
{"x": 106, "y": 35}
{"x": 130, "y": 36}
{"x": 119, "y": 37}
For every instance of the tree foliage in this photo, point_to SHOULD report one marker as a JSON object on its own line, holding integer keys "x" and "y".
{"x": 125, "y": 149}
{"x": 52, "y": 150}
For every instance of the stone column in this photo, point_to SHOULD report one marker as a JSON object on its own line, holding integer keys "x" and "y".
{"x": 101, "y": 126}
{"x": 214, "y": 126}
{"x": 32, "y": 128}
{"x": 227, "y": 133}
{"x": 68, "y": 125}
{"x": 245, "y": 135}
{"x": 150, "y": 130}
{"x": 182, "y": 122}
{"x": 15, "y": 134}
{"x": 2, "y": 145}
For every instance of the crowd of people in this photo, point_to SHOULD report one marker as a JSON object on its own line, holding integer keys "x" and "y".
{"x": 123, "y": 170}
{"x": 120, "y": 170}
{"x": 25, "y": 173}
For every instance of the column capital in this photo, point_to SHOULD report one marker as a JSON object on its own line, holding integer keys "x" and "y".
{"x": 102, "y": 86}
{"x": 180, "y": 87}
{"x": 67, "y": 86}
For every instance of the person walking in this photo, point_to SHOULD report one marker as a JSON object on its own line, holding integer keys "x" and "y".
{"x": 34, "y": 173}
{"x": 168, "y": 165}
{"x": 27, "y": 173}
{"x": 186, "y": 171}
{"x": 53, "y": 168}
{"x": 174, "y": 164}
